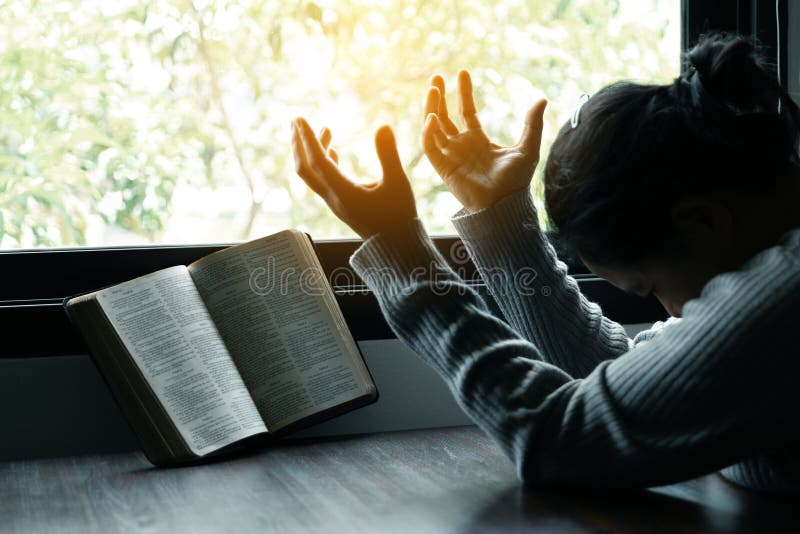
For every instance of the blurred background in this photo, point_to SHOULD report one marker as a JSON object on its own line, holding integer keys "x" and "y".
{"x": 167, "y": 122}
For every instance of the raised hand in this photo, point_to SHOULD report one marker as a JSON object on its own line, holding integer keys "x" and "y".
{"x": 377, "y": 207}
{"x": 477, "y": 171}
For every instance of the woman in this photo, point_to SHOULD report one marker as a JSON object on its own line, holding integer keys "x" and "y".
{"x": 687, "y": 191}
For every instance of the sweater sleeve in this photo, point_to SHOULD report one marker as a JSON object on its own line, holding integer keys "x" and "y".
{"x": 703, "y": 394}
{"x": 532, "y": 287}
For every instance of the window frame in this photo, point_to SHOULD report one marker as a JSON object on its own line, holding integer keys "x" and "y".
{"x": 35, "y": 282}
{"x": 747, "y": 17}
{"x": 32, "y": 294}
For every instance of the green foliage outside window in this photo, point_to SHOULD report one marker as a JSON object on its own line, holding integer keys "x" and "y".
{"x": 168, "y": 121}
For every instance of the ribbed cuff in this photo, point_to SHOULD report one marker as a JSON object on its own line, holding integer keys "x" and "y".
{"x": 390, "y": 262}
{"x": 508, "y": 214}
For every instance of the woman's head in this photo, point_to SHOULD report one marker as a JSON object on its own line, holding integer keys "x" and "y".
{"x": 652, "y": 172}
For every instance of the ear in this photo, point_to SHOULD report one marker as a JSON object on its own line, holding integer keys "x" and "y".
{"x": 702, "y": 221}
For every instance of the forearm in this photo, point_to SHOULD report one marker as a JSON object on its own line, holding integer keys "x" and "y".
{"x": 532, "y": 287}
{"x": 627, "y": 424}
{"x": 421, "y": 297}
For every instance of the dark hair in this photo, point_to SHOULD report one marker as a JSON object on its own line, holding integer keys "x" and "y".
{"x": 611, "y": 181}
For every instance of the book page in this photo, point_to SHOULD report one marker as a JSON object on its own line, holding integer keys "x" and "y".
{"x": 269, "y": 303}
{"x": 169, "y": 333}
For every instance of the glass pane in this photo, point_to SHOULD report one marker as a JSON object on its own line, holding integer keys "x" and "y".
{"x": 131, "y": 122}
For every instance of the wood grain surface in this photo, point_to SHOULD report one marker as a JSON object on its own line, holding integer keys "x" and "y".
{"x": 444, "y": 480}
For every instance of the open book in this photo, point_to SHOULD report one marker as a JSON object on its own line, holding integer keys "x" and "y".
{"x": 245, "y": 342}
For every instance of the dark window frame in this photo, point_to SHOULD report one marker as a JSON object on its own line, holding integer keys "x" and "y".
{"x": 755, "y": 18}
{"x": 32, "y": 292}
{"x": 35, "y": 282}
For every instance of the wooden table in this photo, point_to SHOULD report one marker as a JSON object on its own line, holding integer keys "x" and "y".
{"x": 445, "y": 480}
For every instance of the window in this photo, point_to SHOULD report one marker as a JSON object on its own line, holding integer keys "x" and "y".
{"x": 164, "y": 122}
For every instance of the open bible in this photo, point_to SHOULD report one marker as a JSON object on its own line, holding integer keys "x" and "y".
{"x": 241, "y": 344}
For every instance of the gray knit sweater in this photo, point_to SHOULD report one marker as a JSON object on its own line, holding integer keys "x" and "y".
{"x": 563, "y": 390}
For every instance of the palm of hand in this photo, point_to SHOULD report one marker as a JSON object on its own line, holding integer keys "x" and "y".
{"x": 477, "y": 171}
{"x": 477, "y": 164}
{"x": 367, "y": 208}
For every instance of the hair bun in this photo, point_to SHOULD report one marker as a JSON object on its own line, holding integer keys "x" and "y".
{"x": 733, "y": 70}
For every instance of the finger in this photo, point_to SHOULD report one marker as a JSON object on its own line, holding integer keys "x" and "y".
{"x": 386, "y": 147}
{"x": 438, "y": 135}
{"x": 447, "y": 125}
{"x": 531, "y": 138}
{"x": 302, "y": 166}
{"x": 311, "y": 144}
{"x": 325, "y": 137}
{"x": 466, "y": 103}
{"x": 431, "y": 148}
{"x": 318, "y": 160}
{"x": 431, "y": 102}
